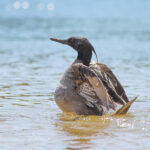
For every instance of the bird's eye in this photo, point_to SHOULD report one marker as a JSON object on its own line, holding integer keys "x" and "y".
{"x": 70, "y": 40}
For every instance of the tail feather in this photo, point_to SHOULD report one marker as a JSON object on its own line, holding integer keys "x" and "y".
{"x": 124, "y": 109}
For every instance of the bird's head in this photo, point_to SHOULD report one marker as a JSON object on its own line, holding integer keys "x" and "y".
{"x": 81, "y": 45}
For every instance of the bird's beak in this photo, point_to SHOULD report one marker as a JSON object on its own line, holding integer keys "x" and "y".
{"x": 59, "y": 41}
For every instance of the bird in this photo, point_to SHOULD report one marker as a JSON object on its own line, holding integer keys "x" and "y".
{"x": 86, "y": 87}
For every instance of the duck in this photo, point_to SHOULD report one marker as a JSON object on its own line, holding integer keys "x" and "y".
{"x": 89, "y": 88}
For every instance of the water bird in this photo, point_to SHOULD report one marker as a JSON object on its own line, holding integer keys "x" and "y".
{"x": 88, "y": 88}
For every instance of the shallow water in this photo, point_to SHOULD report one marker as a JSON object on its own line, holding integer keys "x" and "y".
{"x": 31, "y": 66}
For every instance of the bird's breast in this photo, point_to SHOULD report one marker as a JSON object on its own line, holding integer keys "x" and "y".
{"x": 66, "y": 84}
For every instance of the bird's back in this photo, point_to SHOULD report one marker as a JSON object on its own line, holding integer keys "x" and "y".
{"x": 97, "y": 84}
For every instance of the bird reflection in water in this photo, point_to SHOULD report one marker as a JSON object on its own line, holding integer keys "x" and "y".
{"x": 82, "y": 129}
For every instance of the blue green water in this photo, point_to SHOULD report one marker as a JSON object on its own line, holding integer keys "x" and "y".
{"x": 31, "y": 66}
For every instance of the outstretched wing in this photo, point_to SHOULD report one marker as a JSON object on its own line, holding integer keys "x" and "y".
{"x": 110, "y": 82}
{"x": 90, "y": 86}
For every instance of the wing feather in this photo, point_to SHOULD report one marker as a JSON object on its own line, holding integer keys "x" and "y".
{"x": 110, "y": 81}
{"x": 101, "y": 97}
{"x": 100, "y": 88}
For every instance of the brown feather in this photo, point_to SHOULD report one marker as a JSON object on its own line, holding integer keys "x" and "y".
{"x": 98, "y": 84}
{"x": 92, "y": 89}
{"x": 111, "y": 83}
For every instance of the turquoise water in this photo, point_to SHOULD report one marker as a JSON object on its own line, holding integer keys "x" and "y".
{"x": 31, "y": 66}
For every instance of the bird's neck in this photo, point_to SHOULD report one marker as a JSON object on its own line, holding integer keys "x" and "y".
{"x": 85, "y": 57}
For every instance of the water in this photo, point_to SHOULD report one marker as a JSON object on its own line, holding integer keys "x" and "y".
{"x": 31, "y": 65}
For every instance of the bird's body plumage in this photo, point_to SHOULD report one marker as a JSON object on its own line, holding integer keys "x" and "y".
{"x": 78, "y": 83}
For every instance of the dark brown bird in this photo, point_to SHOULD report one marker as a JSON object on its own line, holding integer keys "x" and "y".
{"x": 88, "y": 88}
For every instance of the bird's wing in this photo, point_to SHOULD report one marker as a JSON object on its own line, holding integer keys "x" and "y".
{"x": 90, "y": 86}
{"x": 111, "y": 83}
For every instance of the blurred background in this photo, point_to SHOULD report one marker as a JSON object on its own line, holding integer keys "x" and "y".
{"x": 31, "y": 66}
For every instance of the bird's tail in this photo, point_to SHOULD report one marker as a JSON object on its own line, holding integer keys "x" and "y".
{"x": 124, "y": 109}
